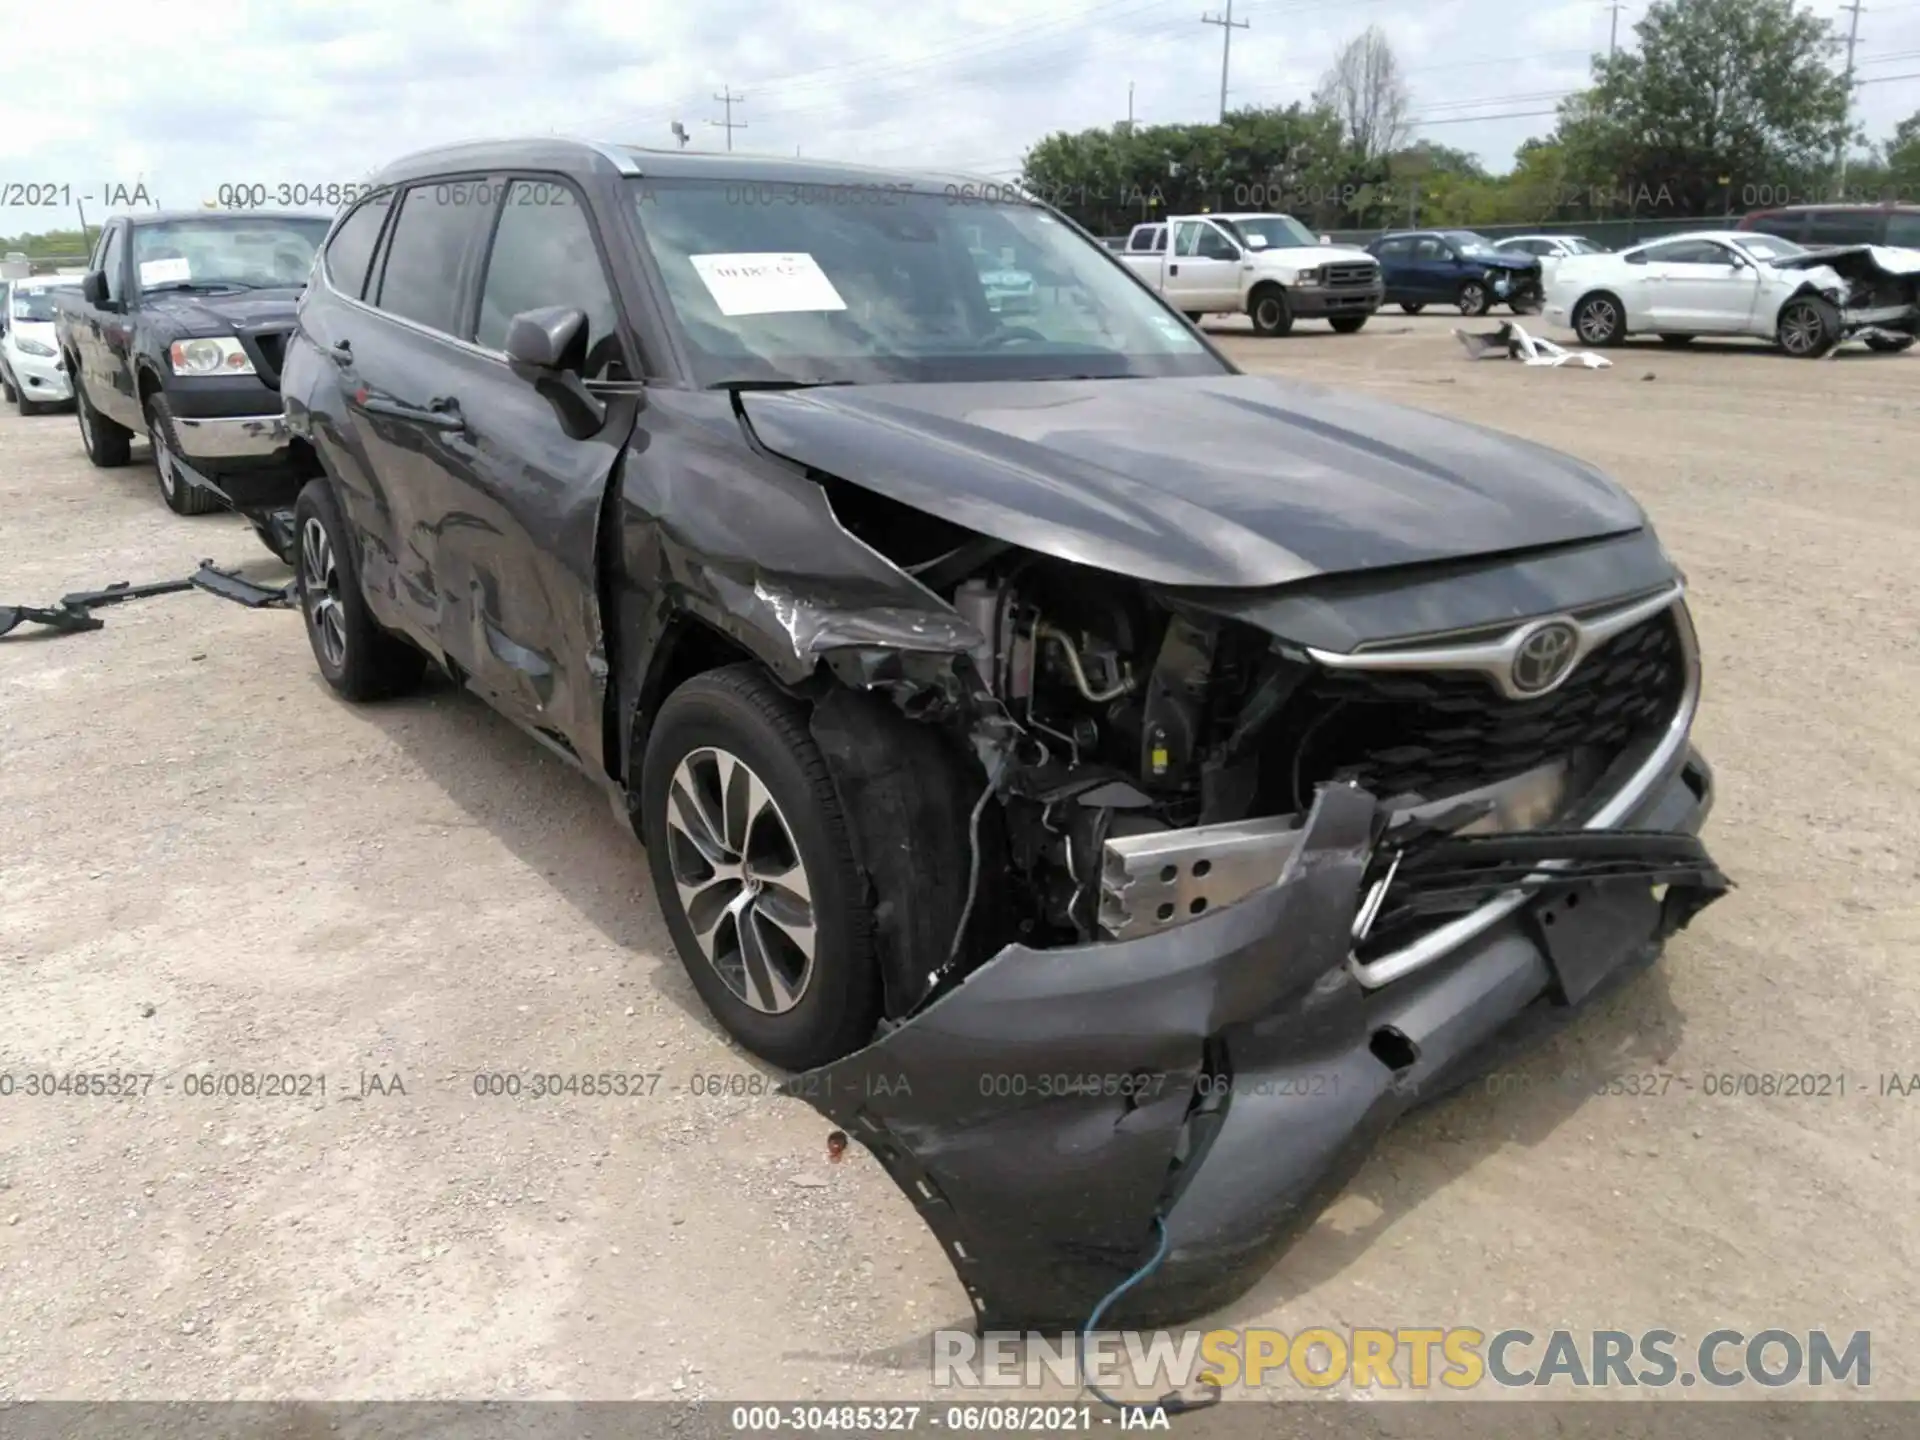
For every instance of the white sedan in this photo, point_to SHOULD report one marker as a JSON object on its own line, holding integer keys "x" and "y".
{"x": 1739, "y": 282}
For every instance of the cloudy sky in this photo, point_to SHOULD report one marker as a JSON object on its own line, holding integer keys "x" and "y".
{"x": 183, "y": 96}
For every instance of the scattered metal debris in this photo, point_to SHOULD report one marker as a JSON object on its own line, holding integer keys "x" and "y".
{"x": 1516, "y": 344}
{"x": 74, "y": 613}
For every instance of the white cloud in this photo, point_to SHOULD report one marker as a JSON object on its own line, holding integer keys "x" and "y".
{"x": 188, "y": 95}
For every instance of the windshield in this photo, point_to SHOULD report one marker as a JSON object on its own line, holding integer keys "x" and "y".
{"x": 38, "y": 304}
{"x": 820, "y": 288}
{"x": 253, "y": 253}
{"x": 1468, "y": 242}
{"x": 1271, "y": 232}
{"x": 1770, "y": 247}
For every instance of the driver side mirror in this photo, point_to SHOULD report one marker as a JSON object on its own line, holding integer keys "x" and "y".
{"x": 548, "y": 347}
{"x": 94, "y": 287}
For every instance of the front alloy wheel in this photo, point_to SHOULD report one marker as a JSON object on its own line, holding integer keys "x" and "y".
{"x": 1473, "y": 298}
{"x": 320, "y": 588}
{"x": 742, "y": 883}
{"x": 1809, "y": 328}
{"x": 1598, "y": 320}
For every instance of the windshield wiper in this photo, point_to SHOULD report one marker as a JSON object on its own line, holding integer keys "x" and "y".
{"x": 193, "y": 285}
{"x": 776, "y": 384}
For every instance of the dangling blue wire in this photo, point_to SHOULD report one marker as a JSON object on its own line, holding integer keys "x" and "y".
{"x": 1173, "y": 1404}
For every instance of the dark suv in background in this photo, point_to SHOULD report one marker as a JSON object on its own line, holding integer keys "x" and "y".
{"x": 1820, "y": 226}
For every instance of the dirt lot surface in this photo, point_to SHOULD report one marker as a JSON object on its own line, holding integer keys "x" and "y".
{"x": 212, "y": 866}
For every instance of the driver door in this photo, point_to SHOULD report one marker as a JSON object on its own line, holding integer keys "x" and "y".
{"x": 1714, "y": 289}
{"x": 516, "y": 544}
{"x": 1203, "y": 273}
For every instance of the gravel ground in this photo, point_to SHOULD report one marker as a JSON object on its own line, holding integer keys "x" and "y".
{"x": 213, "y": 866}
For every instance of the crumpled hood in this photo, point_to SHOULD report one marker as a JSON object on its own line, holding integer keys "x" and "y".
{"x": 1890, "y": 260}
{"x": 219, "y": 314}
{"x": 1232, "y": 480}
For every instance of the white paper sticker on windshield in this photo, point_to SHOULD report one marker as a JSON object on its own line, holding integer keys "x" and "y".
{"x": 1256, "y": 242}
{"x": 164, "y": 272}
{"x": 766, "y": 283}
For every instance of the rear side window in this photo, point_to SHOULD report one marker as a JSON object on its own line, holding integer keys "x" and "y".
{"x": 1786, "y": 226}
{"x": 543, "y": 254}
{"x": 1903, "y": 229}
{"x": 1844, "y": 227}
{"x": 1393, "y": 249}
{"x": 350, "y": 251}
{"x": 421, "y": 279}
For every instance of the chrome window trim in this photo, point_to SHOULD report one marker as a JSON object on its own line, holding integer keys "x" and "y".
{"x": 1494, "y": 658}
{"x": 1672, "y": 746}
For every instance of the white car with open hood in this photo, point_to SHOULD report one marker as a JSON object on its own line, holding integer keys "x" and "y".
{"x": 1269, "y": 267}
{"x": 1740, "y": 282}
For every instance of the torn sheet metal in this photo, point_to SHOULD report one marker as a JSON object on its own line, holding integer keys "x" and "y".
{"x": 1222, "y": 1078}
{"x": 1515, "y": 343}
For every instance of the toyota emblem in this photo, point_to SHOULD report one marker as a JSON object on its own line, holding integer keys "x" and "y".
{"x": 1544, "y": 658}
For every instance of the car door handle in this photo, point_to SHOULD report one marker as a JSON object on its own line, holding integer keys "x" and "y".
{"x": 439, "y": 414}
{"x": 1173, "y": 270}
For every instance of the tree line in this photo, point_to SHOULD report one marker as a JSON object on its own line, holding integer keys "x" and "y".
{"x": 1722, "y": 106}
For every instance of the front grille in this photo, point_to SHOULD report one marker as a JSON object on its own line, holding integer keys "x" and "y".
{"x": 270, "y": 348}
{"x": 1339, "y": 275}
{"x": 1436, "y": 733}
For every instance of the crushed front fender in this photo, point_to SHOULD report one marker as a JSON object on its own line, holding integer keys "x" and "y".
{"x": 1223, "y": 1077}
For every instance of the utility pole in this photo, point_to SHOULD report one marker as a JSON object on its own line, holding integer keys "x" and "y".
{"x": 729, "y": 99}
{"x": 1130, "y": 107}
{"x": 1853, "y": 37}
{"x": 1613, "y": 31}
{"x": 1227, "y": 26}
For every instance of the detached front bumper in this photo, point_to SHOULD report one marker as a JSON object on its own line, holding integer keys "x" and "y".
{"x": 1225, "y": 1076}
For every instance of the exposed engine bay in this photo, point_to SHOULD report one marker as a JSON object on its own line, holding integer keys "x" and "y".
{"x": 1167, "y": 756}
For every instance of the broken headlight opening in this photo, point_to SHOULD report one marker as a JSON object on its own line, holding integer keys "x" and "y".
{"x": 1230, "y": 904}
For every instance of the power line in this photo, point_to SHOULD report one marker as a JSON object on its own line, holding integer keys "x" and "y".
{"x": 729, "y": 99}
{"x": 1227, "y": 26}
{"x": 1853, "y": 37}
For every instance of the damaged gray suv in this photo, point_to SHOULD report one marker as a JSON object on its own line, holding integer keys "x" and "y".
{"x": 1119, "y": 785}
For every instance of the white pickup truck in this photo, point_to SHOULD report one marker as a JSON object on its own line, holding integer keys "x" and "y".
{"x": 1269, "y": 267}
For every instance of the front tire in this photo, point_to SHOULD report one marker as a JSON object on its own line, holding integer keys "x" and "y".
{"x": 1808, "y": 328}
{"x": 1348, "y": 324}
{"x": 1600, "y": 319}
{"x": 753, "y": 865}
{"x": 1473, "y": 298}
{"x": 1890, "y": 345}
{"x": 1270, "y": 312}
{"x": 109, "y": 444}
{"x": 357, "y": 658}
{"x": 183, "y": 497}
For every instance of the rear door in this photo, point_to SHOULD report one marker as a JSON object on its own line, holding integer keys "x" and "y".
{"x": 1395, "y": 256}
{"x": 1430, "y": 273}
{"x": 399, "y": 352}
{"x": 1200, "y": 274}
{"x": 517, "y": 556}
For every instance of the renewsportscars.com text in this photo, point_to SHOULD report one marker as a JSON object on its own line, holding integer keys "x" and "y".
{"x": 1452, "y": 1358}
